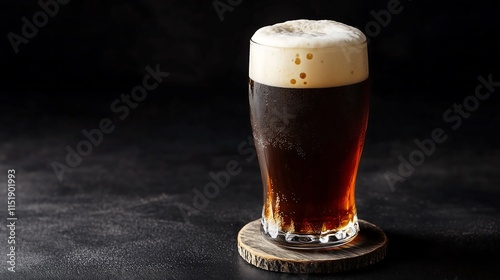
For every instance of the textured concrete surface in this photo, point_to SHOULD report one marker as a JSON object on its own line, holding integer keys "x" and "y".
{"x": 118, "y": 215}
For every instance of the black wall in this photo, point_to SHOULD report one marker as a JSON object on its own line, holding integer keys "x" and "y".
{"x": 102, "y": 46}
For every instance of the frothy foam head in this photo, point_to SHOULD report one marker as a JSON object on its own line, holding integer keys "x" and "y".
{"x": 308, "y": 54}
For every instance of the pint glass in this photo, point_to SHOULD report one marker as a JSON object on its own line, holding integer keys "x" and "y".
{"x": 309, "y": 102}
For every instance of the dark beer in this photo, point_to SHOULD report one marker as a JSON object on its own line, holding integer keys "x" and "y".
{"x": 309, "y": 113}
{"x": 309, "y": 143}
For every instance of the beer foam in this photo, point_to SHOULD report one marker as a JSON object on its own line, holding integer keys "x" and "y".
{"x": 308, "y": 54}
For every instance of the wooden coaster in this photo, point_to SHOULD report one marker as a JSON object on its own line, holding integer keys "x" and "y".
{"x": 367, "y": 248}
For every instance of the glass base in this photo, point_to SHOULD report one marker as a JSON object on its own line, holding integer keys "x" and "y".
{"x": 311, "y": 241}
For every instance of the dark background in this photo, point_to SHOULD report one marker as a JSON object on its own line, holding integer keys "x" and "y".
{"x": 91, "y": 45}
{"x": 92, "y": 51}
{"x": 116, "y": 216}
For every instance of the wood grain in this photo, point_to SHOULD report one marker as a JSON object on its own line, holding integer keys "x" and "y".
{"x": 367, "y": 248}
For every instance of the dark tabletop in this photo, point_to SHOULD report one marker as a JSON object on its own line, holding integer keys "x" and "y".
{"x": 126, "y": 210}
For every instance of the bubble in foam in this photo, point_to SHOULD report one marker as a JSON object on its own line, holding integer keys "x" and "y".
{"x": 331, "y": 53}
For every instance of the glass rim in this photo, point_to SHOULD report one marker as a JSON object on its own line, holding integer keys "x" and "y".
{"x": 324, "y": 48}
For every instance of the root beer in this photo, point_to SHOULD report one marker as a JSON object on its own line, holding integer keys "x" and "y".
{"x": 309, "y": 103}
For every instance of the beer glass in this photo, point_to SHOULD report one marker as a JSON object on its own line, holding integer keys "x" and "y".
{"x": 309, "y": 102}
